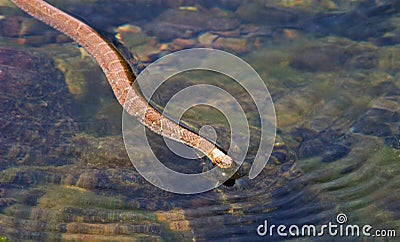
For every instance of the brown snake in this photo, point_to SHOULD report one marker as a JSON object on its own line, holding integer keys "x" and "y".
{"x": 120, "y": 76}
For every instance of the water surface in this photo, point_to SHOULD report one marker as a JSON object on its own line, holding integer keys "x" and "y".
{"x": 331, "y": 68}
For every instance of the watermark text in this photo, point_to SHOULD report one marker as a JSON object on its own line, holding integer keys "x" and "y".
{"x": 333, "y": 229}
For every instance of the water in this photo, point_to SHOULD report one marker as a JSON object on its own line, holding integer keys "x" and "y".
{"x": 331, "y": 68}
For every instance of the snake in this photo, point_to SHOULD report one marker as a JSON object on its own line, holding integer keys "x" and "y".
{"x": 120, "y": 76}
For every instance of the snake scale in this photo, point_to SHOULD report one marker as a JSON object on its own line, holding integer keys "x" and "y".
{"x": 120, "y": 76}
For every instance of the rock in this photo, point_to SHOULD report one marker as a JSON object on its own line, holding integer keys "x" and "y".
{"x": 375, "y": 122}
{"x": 207, "y": 39}
{"x": 88, "y": 180}
{"x": 334, "y": 152}
{"x": 311, "y": 148}
{"x": 223, "y": 24}
{"x": 231, "y": 44}
{"x": 231, "y": 5}
{"x": 340, "y": 23}
{"x": 333, "y": 54}
{"x": 29, "y": 31}
{"x": 179, "y": 44}
{"x": 281, "y": 154}
{"x": 128, "y": 28}
{"x": 233, "y": 33}
{"x": 163, "y": 47}
{"x": 175, "y": 23}
{"x": 393, "y": 141}
{"x": 302, "y": 134}
{"x": 167, "y": 31}
{"x": 260, "y": 14}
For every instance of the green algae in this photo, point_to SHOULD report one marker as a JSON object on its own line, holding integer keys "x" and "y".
{"x": 4, "y": 239}
{"x": 76, "y": 197}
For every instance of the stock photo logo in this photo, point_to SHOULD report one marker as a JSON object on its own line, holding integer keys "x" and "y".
{"x": 339, "y": 228}
{"x": 151, "y": 168}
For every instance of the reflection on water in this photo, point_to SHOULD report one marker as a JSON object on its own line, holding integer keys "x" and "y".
{"x": 332, "y": 70}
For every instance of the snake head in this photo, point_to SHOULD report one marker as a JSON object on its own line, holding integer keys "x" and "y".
{"x": 220, "y": 159}
{"x": 226, "y": 162}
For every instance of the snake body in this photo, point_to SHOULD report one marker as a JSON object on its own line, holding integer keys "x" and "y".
{"x": 120, "y": 76}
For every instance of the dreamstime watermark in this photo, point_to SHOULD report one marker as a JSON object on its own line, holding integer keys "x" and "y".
{"x": 216, "y": 61}
{"x": 331, "y": 229}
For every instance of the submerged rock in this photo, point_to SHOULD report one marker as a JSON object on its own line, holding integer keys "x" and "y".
{"x": 374, "y": 122}
{"x": 175, "y": 23}
{"x": 35, "y": 109}
{"x": 334, "y": 54}
{"x": 266, "y": 15}
{"x": 334, "y": 152}
{"x": 236, "y": 45}
{"x": 393, "y": 141}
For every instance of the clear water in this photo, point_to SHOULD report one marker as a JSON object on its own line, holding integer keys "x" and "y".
{"x": 331, "y": 67}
